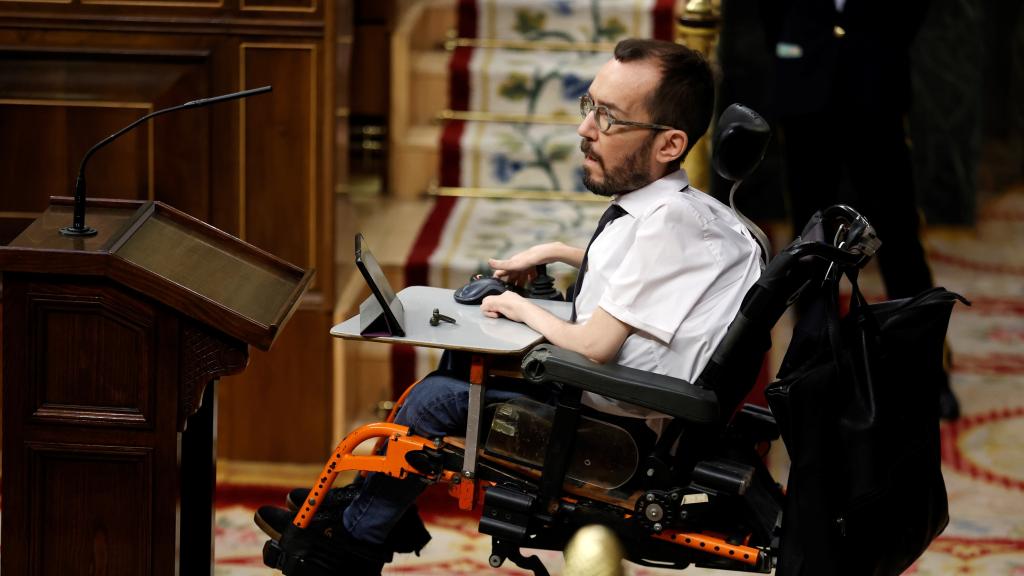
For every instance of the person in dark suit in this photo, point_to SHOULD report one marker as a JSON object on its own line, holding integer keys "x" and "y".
{"x": 842, "y": 95}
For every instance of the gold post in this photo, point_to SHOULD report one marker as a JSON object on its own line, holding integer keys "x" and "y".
{"x": 699, "y": 26}
{"x": 594, "y": 551}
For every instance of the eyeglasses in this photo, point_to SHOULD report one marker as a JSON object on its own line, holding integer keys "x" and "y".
{"x": 604, "y": 117}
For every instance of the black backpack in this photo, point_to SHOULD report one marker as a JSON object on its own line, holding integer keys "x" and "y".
{"x": 857, "y": 405}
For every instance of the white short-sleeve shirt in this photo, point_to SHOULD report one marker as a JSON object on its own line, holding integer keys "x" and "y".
{"x": 676, "y": 268}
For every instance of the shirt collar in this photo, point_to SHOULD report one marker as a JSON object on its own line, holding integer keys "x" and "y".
{"x": 637, "y": 201}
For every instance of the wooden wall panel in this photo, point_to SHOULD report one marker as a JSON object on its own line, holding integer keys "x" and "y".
{"x": 56, "y": 135}
{"x": 115, "y": 480}
{"x": 285, "y": 418}
{"x": 96, "y": 492}
{"x": 123, "y": 394}
{"x": 62, "y": 101}
{"x": 280, "y": 5}
{"x": 262, "y": 169}
{"x": 279, "y": 144}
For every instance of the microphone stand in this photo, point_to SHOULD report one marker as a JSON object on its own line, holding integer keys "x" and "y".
{"x": 78, "y": 227}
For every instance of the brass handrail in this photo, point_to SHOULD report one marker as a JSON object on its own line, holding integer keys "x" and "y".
{"x": 529, "y": 45}
{"x": 475, "y": 116}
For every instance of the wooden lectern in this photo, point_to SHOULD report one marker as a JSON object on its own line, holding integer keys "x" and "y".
{"x": 109, "y": 343}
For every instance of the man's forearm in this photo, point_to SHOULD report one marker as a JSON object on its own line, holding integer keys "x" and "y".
{"x": 561, "y": 252}
{"x": 599, "y": 339}
{"x": 554, "y": 329}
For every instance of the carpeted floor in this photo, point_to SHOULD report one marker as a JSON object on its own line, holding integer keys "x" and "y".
{"x": 983, "y": 453}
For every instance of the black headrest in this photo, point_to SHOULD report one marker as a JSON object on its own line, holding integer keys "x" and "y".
{"x": 739, "y": 143}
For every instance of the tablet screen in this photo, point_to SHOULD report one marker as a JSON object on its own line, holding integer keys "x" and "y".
{"x": 382, "y": 313}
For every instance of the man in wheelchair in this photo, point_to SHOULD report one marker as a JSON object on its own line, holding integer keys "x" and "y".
{"x": 659, "y": 285}
{"x": 628, "y": 417}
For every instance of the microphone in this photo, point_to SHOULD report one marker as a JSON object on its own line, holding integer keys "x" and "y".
{"x": 78, "y": 227}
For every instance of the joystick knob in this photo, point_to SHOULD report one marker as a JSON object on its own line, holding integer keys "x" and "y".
{"x": 543, "y": 286}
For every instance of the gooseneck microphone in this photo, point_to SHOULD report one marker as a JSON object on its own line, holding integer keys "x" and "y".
{"x": 78, "y": 227}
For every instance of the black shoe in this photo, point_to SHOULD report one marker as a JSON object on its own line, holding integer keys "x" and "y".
{"x": 321, "y": 549}
{"x": 294, "y": 558}
{"x": 273, "y": 520}
{"x": 408, "y": 535}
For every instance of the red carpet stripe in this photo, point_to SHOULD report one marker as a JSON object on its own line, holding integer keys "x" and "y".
{"x": 458, "y": 78}
{"x": 418, "y": 265}
{"x": 467, "y": 19}
{"x": 664, "y": 20}
{"x": 995, "y": 364}
{"x": 250, "y": 495}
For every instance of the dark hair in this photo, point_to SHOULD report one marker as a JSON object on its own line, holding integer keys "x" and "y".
{"x": 685, "y": 96}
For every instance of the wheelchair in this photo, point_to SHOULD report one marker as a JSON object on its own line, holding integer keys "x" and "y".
{"x": 701, "y": 495}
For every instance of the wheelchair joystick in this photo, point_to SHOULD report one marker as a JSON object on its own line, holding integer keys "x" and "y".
{"x": 543, "y": 286}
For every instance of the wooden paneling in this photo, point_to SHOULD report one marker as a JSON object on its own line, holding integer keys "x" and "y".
{"x": 96, "y": 490}
{"x": 56, "y": 135}
{"x": 279, "y": 144}
{"x": 280, "y": 5}
{"x": 115, "y": 480}
{"x": 66, "y": 390}
{"x": 283, "y": 421}
{"x": 261, "y": 169}
{"x": 61, "y": 101}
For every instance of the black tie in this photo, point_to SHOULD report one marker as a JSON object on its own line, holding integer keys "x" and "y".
{"x": 611, "y": 213}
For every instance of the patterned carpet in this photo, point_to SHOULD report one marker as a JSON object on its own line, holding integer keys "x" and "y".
{"x": 983, "y": 452}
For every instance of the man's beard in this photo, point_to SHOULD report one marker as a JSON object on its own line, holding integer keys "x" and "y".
{"x": 632, "y": 175}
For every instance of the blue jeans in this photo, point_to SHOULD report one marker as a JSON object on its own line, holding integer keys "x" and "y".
{"x": 438, "y": 406}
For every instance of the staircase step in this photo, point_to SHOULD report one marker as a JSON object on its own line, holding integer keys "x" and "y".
{"x": 429, "y": 85}
{"x": 511, "y": 156}
{"x": 566, "y": 21}
{"x": 541, "y": 83}
{"x": 415, "y": 161}
{"x": 429, "y": 23}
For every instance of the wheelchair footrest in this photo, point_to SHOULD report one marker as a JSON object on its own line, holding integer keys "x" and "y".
{"x": 303, "y": 553}
{"x": 296, "y": 564}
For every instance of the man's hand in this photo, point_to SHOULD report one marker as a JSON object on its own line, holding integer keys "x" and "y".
{"x": 507, "y": 304}
{"x": 519, "y": 269}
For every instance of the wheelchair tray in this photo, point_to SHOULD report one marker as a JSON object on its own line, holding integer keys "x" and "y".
{"x": 471, "y": 332}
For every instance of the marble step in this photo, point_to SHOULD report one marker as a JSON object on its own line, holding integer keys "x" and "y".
{"x": 566, "y": 21}
{"x": 522, "y": 83}
{"x": 512, "y": 156}
{"x": 515, "y": 85}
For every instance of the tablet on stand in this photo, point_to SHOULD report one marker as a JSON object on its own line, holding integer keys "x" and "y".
{"x": 382, "y": 313}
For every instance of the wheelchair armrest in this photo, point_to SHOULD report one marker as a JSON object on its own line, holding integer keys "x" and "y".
{"x": 548, "y": 364}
